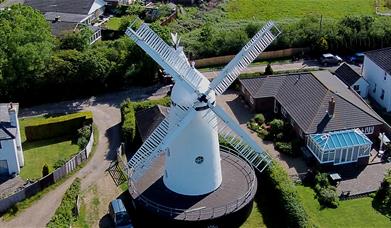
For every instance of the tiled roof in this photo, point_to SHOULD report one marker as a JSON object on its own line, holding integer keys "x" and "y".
{"x": 381, "y": 57}
{"x": 60, "y": 28}
{"x": 6, "y": 131}
{"x": 66, "y": 17}
{"x": 305, "y": 97}
{"x": 147, "y": 120}
{"x": 63, "y": 6}
{"x": 347, "y": 75}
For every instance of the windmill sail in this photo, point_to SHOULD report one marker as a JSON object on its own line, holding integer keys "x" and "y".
{"x": 248, "y": 54}
{"x": 159, "y": 140}
{"x": 166, "y": 56}
{"x": 230, "y": 132}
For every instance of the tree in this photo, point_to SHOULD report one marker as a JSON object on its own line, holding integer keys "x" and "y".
{"x": 26, "y": 46}
{"x": 382, "y": 200}
{"x": 268, "y": 69}
{"x": 322, "y": 45}
{"x": 79, "y": 39}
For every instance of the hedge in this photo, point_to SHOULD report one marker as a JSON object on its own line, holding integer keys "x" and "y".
{"x": 283, "y": 190}
{"x": 128, "y": 118}
{"x": 65, "y": 213}
{"x": 57, "y": 126}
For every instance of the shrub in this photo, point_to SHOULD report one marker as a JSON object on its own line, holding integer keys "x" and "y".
{"x": 45, "y": 170}
{"x": 57, "y": 126}
{"x": 83, "y": 135}
{"x": 64, "y": 215}
{"x": 59, "y": 163}
{"x": 280, "y": 136}
{"x": 283, "y": 190}
{"x": 284, "y": 147}
{"x": 128, "y": 112}
{"x": 382, "y": 200}
{"x": 328, "y": 197}
{"x": 259, "y": 118}
{"x": 262, "y": 133}
{"x": 276, "y": 126}
{"x": 268, "y": 69}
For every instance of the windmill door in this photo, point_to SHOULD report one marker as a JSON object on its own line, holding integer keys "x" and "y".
{"x": 3, "y": 167}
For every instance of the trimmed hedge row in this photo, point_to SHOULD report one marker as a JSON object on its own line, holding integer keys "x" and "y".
{"x": 283, "y": 190}
{"x": 64, "y": 215}
{"x": 128, "y": 118}
{"x": 57, "y": 126}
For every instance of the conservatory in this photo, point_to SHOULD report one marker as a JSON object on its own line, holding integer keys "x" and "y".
{"x": 339, "y": 147}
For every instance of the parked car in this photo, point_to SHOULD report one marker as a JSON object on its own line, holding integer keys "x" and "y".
{"x": 357, "y": 58}
{"x": 119, "y": 214}
{"x": 330, "y": 59}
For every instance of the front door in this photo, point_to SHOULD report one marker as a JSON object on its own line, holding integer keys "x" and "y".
{"x": 3, "y": 167}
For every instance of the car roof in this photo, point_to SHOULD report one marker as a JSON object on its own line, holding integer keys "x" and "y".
{"x": 118, "y": 205}
{"x": 328, "y": 55}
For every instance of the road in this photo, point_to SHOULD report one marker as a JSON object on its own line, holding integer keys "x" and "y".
{"x": 281, "y": 67}
{"x": 107, "y": 119}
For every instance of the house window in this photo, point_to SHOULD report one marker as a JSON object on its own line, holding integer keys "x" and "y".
{"x": 385, "y": 75}
{"x": 275, "y": 106}
{"x": 292, "y": 122}
{"x": 374, "y": 89}
{"x": 368, "y": 130}
{"x": 356, "y": 87}
{"x": 283, "y": 111}
{"x": 382, "y": 94}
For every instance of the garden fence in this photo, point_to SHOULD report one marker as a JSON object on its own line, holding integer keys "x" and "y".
{"x": 222, "y": 60}
{"x": 44, "y": 182}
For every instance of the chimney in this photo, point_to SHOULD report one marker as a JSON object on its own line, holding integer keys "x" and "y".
{"x": 12, "y": 115}
{"x": 331, "y": 109}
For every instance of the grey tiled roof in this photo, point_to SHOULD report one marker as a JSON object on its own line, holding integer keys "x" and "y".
{"x": 381, "y": 57}
{"x": 59, "y": 28}
{"x": 63, "y": 6}
{"x": 6, "y": 131}
{"x": 147, "y": 120}
{"x": 66, "y": 17}
{"x": 305, "y": 97}
{"x": 347, "y": 75}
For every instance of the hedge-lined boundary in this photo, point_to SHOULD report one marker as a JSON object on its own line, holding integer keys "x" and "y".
{"x": 65, "y": 213}
{"x": 284, "y": 192}
{"x": 57, "y": 126}
{"x": 128, "y": 116}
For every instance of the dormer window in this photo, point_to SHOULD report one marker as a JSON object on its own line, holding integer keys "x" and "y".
{"x": 382, "y": 94}
{"x": 374, "y": 89}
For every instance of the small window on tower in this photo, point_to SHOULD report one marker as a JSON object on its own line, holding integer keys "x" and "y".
{"x": 199, "y": 159}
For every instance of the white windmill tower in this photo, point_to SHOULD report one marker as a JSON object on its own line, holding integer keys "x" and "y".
{"x": 190, "y": 134}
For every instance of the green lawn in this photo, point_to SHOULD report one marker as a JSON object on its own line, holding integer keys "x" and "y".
{"x": 255, "y": 219}
{"x": 114, "y": 23}
{"x": 296, "y": 9}
{"x": 350, "y": 213}
{"x": 41, "y": 152}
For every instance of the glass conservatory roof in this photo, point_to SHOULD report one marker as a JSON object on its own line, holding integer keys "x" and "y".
{"x": 340, "y": 139}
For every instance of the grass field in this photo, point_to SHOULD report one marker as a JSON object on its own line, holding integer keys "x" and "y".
{"x": 350, "y": 213}
{"x": 296, "y": 9}
{"x": 39, "y": 153}
{"x": 255, "y": 219}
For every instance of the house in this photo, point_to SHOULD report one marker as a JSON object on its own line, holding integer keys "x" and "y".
{"x": 11, "y": 153}
{"x": 352, "y": 79}
{"x": 377, "y": 71}
{"x": 68, "y": 15}
{"x": 317, "y": 104}
{"x": 147, "y": 120}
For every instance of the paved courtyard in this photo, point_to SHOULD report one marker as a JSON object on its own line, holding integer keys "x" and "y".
{"x": 237, "y": 109}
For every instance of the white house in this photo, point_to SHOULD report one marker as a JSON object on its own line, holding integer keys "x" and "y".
{"x": 352, "y": 79}
{"x": 11, "y": 153}
{"x": 377, "y": 71}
